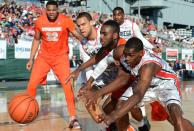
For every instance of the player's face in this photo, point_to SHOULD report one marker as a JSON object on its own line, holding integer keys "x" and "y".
{"x": 132, "y": 57}
{"x": 85, "y": 26}
{"x": 106, "y": 35}
{"x": 52, "y": 12}
{"x": 118, "y": 16}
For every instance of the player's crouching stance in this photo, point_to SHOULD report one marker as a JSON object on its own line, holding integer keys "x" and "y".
{"x": 155, "y": 81}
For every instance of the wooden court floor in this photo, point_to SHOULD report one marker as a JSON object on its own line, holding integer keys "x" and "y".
{"x": 53, "y": 114}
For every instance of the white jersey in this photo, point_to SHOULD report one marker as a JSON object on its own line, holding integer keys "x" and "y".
{"x": 130, "y": 29}
{"x": 166, "y": 73}
{"x": 103, "y": 68}
{"x": 92, "y": 46}
{"x": 164, "y": 86}
{"x": 127, "y": 30}
{"x": 89, "y": 50}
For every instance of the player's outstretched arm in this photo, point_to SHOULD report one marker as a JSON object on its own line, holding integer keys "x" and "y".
{"x": 146, "y": 74}
{"x": 121, "y": 80}
{"x": 99, "y": 69}
{"x": 92, "y": 61}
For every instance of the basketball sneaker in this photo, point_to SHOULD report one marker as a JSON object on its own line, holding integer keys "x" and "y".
{"x": 74, "y": 123}
{"x": 146, "y": 126}
{"x": 22, "y": 124}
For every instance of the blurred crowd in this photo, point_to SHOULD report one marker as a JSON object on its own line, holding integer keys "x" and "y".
{"x": 17, "y": 21}
{"x": 184, "y": 68}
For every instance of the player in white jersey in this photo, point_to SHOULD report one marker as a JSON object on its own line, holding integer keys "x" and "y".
{"x": 129, "y": 28}
{"x": 88, "y": 50}
{"x": 109, "y": 39}
{"x": 91, "y": 47}
{"x": 106, "y": 61}
{"x": 92, "y": 37}
{"x": 155, "y": 81}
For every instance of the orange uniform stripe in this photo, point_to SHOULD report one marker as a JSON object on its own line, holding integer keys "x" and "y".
{"x": 164, "y": 74}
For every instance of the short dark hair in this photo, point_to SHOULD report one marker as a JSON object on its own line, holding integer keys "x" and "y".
{"x": 52, "y": 3}
{"x": 114, "y": 25}
{"x": 119, "y": 8}
{"x": 84, "y": 14}
{"x": 134, "y": 43}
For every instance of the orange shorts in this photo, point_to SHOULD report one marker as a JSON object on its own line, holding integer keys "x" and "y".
{"x": 61, "y": 67}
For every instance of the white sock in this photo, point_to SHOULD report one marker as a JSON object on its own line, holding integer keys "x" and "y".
{"x": 141, "y": 123}
{"x": 143, "y": 111}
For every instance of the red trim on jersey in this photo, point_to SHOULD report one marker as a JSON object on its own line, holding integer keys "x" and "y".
{"x": 152, "y": 61}
{"x": 164, "y": 74}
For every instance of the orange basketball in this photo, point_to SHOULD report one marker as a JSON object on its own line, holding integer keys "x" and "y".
{"x": 23, "y": 108}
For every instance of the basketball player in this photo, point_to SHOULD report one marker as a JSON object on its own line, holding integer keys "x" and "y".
{"x": 130, "y": 29}
{"x": 127, "y": 30}
{"x": 52, "y": 30}
{"x": 155, "y": 81}
{"x": 106, "y": 40}
{"x": 92, "y": 34}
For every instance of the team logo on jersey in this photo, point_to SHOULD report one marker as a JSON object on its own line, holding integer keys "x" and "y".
{"x": 52, "y": 36}
{"x": 125, "y": 33}
{"x": 51, "y": 28}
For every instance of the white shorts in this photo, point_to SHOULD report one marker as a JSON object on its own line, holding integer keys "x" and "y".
{"x": 166, "y": 93}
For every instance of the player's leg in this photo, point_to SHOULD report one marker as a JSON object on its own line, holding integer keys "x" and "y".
{"x": 136, "y": 112}
{"x": 123, "y": 122}
{"x": 169, "y": 95}
{"x": 39, "y": 71}
{"x": 143, "y": 123}
{"x": 180, "y": 123}
{"x": 61, "y": 67}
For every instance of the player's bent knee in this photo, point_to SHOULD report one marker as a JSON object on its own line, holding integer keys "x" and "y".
{"x": 175, "y": 112}
{"x": 174, "y": 108}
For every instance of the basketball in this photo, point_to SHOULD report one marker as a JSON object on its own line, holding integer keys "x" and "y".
{"x": 23, "y": 108}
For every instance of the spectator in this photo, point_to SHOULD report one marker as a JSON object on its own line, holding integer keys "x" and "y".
{"x": 74, "y": 63}
{"x": 189, "y": 69}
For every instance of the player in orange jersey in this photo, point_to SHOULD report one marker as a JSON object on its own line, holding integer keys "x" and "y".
{"x": 52, "y": 30}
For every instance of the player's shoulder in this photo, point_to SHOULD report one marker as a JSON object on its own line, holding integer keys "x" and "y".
{"x": 40, "y": 19}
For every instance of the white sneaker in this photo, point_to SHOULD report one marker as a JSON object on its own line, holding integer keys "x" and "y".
{"x": 22, "y": 124}
{"x": 74, "y": 124}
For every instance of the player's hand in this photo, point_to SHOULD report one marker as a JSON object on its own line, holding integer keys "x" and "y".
{"x": 91, "y": 97}
{"x": 73, "y": 75}
{"x": 29, "y": 65}
{"x": 81, "y": 95}
{"x": 84, "y": 88}
{"x": 107, "y": 119}
{"x": 81, "y": 91}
